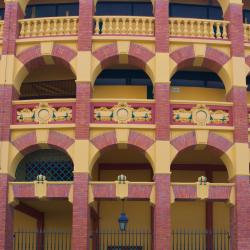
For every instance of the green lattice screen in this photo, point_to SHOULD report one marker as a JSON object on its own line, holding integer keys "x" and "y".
{"x": 53, "y": 164}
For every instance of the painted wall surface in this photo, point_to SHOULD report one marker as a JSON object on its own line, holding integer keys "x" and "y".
{"x": 23, "y": 221}
{"x": 130, "y": 92}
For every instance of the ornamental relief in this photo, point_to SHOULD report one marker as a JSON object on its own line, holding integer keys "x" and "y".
{"x": 122, "y": 113}
{"x": 201, "y": 115}
{"x": 43, "y": 114}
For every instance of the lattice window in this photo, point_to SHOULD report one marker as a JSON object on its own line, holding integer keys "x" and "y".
{"x": 53, "y": 164}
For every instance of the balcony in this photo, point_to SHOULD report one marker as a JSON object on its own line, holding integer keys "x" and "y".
{"x": 124, "y": 25}
{"x": 198, "y": 28}
{"x": 247, "y": 32}
{"x": 52, "y": 26}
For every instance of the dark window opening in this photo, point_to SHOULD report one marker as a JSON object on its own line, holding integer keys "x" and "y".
{"x": 248, "y": 83}
{"x": 1, "y": 13}
{"x": 53, "y": 164}
{"x": 126, "y": 77}
{"x": 246, "y": 16}
{"x": 52, "y": 10}
{"x": 197, "y": 79}
{"x": 48, "y": 89}
{"x": 195, "y": 11}
{"x": 124, "y": 9}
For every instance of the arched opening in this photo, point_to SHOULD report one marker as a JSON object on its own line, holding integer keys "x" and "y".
{"x": 54, "y": 164}
{"x": 248, "y": 88}
{"x": 49, "y": 82}
{"x": 2, "y": 10}
{"x": 197, "y": 84}
{"x": 131, "y": 162}
{"x": 124, "y": 8}
{"x": 123, "y": 81}
{"x": 196, "y": 9}
{"x": 201, "y": 215}
{"x": 48, "y": 9}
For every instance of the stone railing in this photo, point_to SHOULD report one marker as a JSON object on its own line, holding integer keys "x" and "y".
{"x": 35, "y": 189}
{"x": 124, "y": 25}
{"x": 201, "y": 114}
{"x": 198, "y": 28}
{"x": 1, "y": 29}
{"x": 43, "y": 112}
{"x": 52, "y": 26}
{"x": 197, "y": 190}
{"x": 123, "y": 112}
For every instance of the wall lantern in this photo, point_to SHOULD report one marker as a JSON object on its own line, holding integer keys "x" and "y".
{"x": 123, "y": 219}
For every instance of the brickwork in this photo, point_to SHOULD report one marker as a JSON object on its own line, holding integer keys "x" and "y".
{"x": 162, "y": 213}
{"x": 161, "y": 26}
{"x": 238, "y": 96}
{"x": 85, "y": 29}
{"x": 11, "y": 29}
{"x": 162, "y": 111}
{"x": 59, "y": 140}
{"x": 240, "y": 219}
{"x": 6, "y": 215}
{"x": 81, "y": 212}
{"x": 7, "y": 94}
{"x": 234, "y": 14}
{"x": 83, "y": 95}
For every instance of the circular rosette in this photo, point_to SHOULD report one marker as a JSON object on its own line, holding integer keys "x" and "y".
{"x": 43, "y": 113}
{"x": 201, "y": 115}
{"x": 122, "y": 113}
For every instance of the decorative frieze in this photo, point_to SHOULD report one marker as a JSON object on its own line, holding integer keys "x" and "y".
{"x": 201, "y": 115}
{"x": 123, "y": 113}
{"x": 44, "y": 114}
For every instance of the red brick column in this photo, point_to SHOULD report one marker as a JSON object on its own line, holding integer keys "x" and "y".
{"x": 13, "y": 13}
{"x": 6, "y": 215}
{"x": 161, "y": 26}
{"x": 240, "y": 219}
{"x": 162, "y": 215}
{"x": 83, "y": 108}
{"x": 85, "y": 30}
{"x": 81, "y": 212}
{"x": 238, "y": 95}
{"x": 234, "y": 14}
{"x": 162, "y": 111}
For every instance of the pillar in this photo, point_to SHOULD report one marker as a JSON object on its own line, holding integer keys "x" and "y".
{"x": 162, "y": 218}
{"x": 240, "y": 221}
{"x": 6, "y": 215}
{"x": 81, "y": 212}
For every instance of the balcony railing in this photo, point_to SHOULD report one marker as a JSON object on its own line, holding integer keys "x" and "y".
{"x": 198, "y": 28}
{"x": 123, "y": 112}
{"x": 186, "y": 239}
{"x": 201, "y": 114}
{"x": 126, "y": 240}
{"x": 39, "y": 240}
{"x": 247, "y": 32}
{"x": 53, "y": 26}
{"x": 43, "y": 112}
{"x": 124, "y": 25}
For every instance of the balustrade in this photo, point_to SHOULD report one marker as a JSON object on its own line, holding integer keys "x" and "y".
{"x": 198, "y": 28}
{"x": 43, "y": 112}
{"x": 1, "y": 29}
{"x": 246, "y": 32}
{"x": 202, "y": 114}
{"x": 56, "y": 26}
{"x": 123, "y": 112}
{"x": 124, "y": 25}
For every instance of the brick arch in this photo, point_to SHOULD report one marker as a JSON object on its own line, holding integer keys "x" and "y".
{"x": 29, "y": 143}
{"x": 108, "y": 139}
{"x": 213, "y": 60}
{"x": 108, "y": 55}
{"x": 215, "y": 142}
{"x": 33, "y": 58}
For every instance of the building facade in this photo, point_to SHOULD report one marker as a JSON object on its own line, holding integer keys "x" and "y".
{"x": 124, "y": 110}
